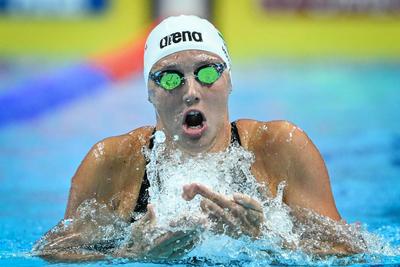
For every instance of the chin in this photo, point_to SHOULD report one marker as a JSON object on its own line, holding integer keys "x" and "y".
{"x": 198, "y": 145}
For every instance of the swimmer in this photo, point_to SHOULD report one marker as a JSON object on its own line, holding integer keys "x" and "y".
{"x": 187, "y": 71}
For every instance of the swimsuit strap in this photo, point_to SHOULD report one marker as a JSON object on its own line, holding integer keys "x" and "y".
{"x": 235, "y": 137}
{"x": 143, "y": 199}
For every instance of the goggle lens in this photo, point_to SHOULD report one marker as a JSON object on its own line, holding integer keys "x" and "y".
{"x": 208, "y": 75}
{"x": 170, "y": 80}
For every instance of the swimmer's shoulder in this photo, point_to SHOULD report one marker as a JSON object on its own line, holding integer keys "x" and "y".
{"x": 281, "y": 134}
{"x": 116, "y": 158}
{"x": 124, "y": 146}
{"x": 284, "y": 152}
{"x": 112, "y": 171}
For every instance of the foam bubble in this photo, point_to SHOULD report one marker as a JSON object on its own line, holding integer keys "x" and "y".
{"x": 159, "y": 137}
{"x": 289, "y": 235}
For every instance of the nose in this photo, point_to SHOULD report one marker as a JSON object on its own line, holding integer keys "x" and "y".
{"x": 192, "y": 95}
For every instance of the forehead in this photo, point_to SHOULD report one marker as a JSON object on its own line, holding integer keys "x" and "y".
{"x": 187, "y": 57}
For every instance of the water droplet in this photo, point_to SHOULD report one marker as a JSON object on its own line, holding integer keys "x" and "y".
{"x": 159, "y": 137}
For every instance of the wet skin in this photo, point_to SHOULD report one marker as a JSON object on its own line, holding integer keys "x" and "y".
{"x": 211, "y": 101}
{"x": 113, "y": 170}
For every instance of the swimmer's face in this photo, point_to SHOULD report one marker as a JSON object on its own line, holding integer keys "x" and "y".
{"x": 193, "y": 114}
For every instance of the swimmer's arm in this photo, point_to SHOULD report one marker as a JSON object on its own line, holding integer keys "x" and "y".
{"x": 290, "y": 155}
{"x": 78, "y": 255}
{"x": 88, "y": 178}
{"x": 111, "y": 170}
{"x": 324, "y": 237}
{"x": 89, "y": 182}
{"x": 64, "y": 244}
{"x": 111, "y": 173}
{"x": 67, "y": 243}
{"x": 308, "y": 184}
{"x": 80, "y": 238}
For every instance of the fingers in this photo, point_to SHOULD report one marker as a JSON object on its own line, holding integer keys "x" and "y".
{"x": 247, "y": 202}
{"x": 210, "y": 214}
{"x": 237, "y": 219}
{"x": 191, "y": 190}
{"x": 254, "y": 217}
{"x": 227, "y": 223}
{"x": 188, "y": 192}
{"x": 242, "y": 214}
{"x": 243, "y": 206}
{"x": 217, "y": 213}
{"x": 253, "y": 212}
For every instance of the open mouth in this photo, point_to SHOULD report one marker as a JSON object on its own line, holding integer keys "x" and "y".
{"x": 194, "y": 123}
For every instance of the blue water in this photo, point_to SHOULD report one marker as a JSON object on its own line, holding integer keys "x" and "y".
{"x": 349, "y": 109}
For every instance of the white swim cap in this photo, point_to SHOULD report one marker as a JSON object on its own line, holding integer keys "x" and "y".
{"x": 181, "y": 33}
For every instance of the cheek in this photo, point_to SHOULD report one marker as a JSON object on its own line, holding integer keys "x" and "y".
{"x": 217, "y": 99}
{"x": 162, "y": 99}
{"x": 168, "y": 106}
{"x": 219, "y": 93}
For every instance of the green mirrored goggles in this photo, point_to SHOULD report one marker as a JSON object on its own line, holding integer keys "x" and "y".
{"x": 172, "y": 79}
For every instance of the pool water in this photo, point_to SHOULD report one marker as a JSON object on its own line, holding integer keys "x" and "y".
{"x": 349, "y": 109}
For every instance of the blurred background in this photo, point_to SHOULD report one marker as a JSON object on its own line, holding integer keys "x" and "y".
{"x": 71, "y": 75}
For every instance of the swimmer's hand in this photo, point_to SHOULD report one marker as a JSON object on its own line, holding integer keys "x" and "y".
{"x": 241, "y": 215}
{"x": 67, "y": 244}
{"x": 148, "y": 245}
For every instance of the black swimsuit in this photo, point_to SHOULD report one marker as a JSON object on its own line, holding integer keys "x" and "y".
{"x": 141, "y": 204}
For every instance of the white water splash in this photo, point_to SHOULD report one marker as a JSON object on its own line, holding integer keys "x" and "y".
{"x": 226, "y": 172}
{"x": 229, "y": 172}
{"x": 290, "y": 236}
